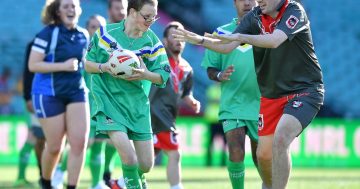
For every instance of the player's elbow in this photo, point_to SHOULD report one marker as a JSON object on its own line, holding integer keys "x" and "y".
{"x": 32, "y": 67}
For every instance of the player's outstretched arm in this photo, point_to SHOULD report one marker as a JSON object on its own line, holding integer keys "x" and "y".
{"x": 272, "y": 40}
{"x": 221, "y": 46}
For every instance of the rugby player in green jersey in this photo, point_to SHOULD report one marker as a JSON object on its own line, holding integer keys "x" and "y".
{"x": 121, "y": 107}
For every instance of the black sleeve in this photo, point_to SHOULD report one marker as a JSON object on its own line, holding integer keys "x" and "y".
{"x": 27, "y": 75}
{"x": 245, "y": 26}
{"x": 188, "y": 84}
{"x": 293, "y": 21}
{"x": 212, "y": 73}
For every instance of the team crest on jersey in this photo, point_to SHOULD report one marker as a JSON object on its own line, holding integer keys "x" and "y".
{"x": 113, "y": 45}
{"x": 292, "y": 21}
{"x": 109, "y": 120}
{"x": 297, "y": 104}
{"x": 166, "y": 68}
{"x": 173, "y": 138}
{"x": 261, "y": 122}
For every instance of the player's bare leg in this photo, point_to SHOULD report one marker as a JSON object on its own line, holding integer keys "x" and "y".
{"x": 146, "y": 156}
{"x": 54, "y": 131}
{"x": 173, "y": 171}
{"x": 264, "y": 157}
{"x": 236, "y": 142}
{"x": 287, "y": 129}
{"x": 128, "y": 156}
{"x": 77, "y": 129}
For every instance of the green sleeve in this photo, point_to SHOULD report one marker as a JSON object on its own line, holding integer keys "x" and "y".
{"x": 211, "y": 59}
{"x": 92, "y": 49}
{"x": 157, "y": 62}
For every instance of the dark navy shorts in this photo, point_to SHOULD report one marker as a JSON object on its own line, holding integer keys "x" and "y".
{"x": 47, "y": 106}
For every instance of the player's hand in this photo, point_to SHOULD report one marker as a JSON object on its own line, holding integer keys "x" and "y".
{"x": 106, "y": 69}
{"x": 193, "y": 103}
{"x": 71, "y": 65}
{"x": 183, "y": 35}
{"x": 225, "y": 74}
{"x": 139, "y": 73}
{"x": 29, "y": 106}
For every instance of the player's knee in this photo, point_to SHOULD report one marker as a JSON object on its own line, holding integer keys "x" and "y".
{"x": 78, "y": 147}
{"x": 263, "y": 154}
{"x": 54, "y": 149}
{"x": 174, "y": 155}
{"x": 146, "y": 166}
{"x": 281, "y": 141}
{"x": 236, "y": 153}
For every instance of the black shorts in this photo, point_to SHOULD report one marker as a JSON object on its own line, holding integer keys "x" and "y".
{"x": 304, "y": 106}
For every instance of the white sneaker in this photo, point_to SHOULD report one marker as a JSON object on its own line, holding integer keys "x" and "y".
{"x": 121, "y": 182}
{"x": 100, "y": 185}
{"x": 58, "y": 179}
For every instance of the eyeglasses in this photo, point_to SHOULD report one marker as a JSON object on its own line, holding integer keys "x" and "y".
{"x": 149, "y": 19}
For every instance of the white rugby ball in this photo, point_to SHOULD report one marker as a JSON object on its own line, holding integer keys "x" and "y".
{"x": 122, "y": 62}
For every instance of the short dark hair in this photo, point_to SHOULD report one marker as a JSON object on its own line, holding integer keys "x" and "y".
{"x": 138, "y": 4}
{"x": 170, "y": 25}
{"x": 110, "y": 2}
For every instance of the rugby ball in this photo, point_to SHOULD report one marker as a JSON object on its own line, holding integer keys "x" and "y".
{"x": 122, "y": 62}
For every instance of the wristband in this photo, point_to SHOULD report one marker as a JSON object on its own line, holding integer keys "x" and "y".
{"x": 99, "y": 67}
{"x": 218, "y": 76}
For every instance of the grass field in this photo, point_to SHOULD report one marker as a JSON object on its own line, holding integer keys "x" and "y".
{"x": 216, "y": 178}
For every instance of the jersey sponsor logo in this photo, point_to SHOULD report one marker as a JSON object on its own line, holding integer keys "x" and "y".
{"x": 261, "y": 122}
{"x": 291, "y": 22}
{"x": 297, "y": 104}
{"x": 40, "y": 42}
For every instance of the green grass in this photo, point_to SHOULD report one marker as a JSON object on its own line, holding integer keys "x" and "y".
{"x": 216, "y": 178}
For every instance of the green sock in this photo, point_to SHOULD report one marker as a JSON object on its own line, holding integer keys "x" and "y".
{"x": 110, "y": 151}
{"x": 24, "y": 159}
{"x": 64, "y": 160}
{"x": 142, "y": 178}
{"x": 236, "y": 173}
{"x": 131, "y": 176}
{"x": 96, "y": 162}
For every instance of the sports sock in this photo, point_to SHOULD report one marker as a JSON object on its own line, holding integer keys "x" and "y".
{"x": 131, "y": 176}
{"x": 96, "y": 162}
{"x": 178, "y": 186}
{"x": 110, "y": 151}
{"x": 64, "y": 160}
{"x": 142, "y": 179}
{"x": 24, "y": 159}
{"x": 70, "y": 187}
{"x": 236, "y": 174}
{"x": 45, "y": 184}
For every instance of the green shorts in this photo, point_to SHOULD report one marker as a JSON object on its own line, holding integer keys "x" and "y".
{"x": 251, "y": 126}
{"x": 105, "y": 124}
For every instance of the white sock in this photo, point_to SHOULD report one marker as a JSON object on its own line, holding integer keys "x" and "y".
{"x": 178, "y": 186}
{"x": 121, "y": 182}
{"x": 264, "y": 187}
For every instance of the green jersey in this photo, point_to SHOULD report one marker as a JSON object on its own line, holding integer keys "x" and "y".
{"x": 125, "y": 102}
{"x": 240, "y": 96}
